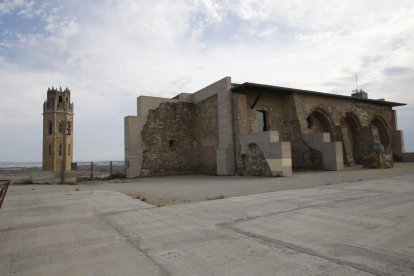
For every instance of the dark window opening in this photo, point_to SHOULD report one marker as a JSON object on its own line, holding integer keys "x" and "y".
{"x": 69, "y": 128}
{"x": 60, "y": 149}
{"x": 60, "y": 100}
{"x": 50, "y": 149}
{"x": 309, "y": 122}
{"x": 50, "y": 127}
{"x": 60, "y": 127}
{"x": 261, "y": 121}
{"x": 171, "y": 143}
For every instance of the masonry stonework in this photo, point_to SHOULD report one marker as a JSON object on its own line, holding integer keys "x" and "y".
{"x": 57, "y": 130}
{"x": 206, "y": 132}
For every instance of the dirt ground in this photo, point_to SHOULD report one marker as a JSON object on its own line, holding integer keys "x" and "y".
{"x": 169, "y": 190}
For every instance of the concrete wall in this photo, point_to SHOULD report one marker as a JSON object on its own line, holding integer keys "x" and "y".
{"x": 51, "y": 177}
{"x": 225, "y": 152}
{"x": 263, "y": 153}
{"x": 206, "y": 128}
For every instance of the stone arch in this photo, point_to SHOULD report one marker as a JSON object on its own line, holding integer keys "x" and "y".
{"x": 319, "y": 120}
{"x": 351, "y": 139}
{"x": 383, "y": 131}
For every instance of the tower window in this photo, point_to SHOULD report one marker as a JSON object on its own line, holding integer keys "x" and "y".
{"x": 60, "y": 99}
{"x": 171, "y": 143}
{"x": 60, "y": 149}
{"x": 60, "y": 127}
{"x": 50, "y": 126}
{"x": 69, "y": 149}
{"x": 69, "y": 128}
{"x": 50, "y": 149}
{"x": 261, "y": 121}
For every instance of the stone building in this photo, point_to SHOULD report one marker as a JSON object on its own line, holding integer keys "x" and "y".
{"x": 256, "y": 129}
{"x": 57, "y": 130}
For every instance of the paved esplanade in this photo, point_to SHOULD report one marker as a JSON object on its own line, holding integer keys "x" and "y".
{"x": 364, "y": 228}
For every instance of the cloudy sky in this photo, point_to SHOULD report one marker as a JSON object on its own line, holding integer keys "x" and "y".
{"x": 108, "y": 52}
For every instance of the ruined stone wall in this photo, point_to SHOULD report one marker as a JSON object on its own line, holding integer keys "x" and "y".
{"x": 254, "y": 162}
{"x": 295, "y": 115}
{"x": 207, "y": 134}
{"x": 337, "y": 109}
{"x": 169, "y": 140}
{"x": 282, "y": 117}
{"x": 340, "y": 112}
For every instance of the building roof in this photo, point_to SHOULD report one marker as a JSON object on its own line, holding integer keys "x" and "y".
{"x": 264, "y": 87}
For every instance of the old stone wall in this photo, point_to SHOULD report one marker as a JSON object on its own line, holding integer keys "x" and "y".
{"x": 169, "y": 140}
{"x": 282, "y": 117}
{"x": 296, "y": 115}
{"x": 356, "y": 117}
{"x": 277, "y": 111}
{"x": 254, "y": 163}
{"x": 206, "y": 128}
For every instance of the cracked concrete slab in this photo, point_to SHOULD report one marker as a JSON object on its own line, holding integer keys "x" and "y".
{"x": 358, "y": 228}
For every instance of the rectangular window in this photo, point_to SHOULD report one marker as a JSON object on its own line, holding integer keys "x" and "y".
{"x": 50, "y": 127}
{"x": 261, "y": 121}
{"x": 171, "y": 143}
{"x": 69, "y": 149}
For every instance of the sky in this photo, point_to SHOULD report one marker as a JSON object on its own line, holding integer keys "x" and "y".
{"x": 108, "y": 52}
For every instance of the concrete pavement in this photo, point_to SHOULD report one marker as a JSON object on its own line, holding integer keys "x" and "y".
{"x": 362, "y": 228}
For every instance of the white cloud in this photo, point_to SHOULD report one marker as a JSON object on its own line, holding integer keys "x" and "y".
{"x": 109, "y": 52}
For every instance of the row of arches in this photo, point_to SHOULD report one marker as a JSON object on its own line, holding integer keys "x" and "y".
{"x": 350, "y": 132}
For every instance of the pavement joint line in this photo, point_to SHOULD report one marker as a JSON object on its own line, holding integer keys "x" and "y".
{"x": 304, "y": 250}
{"x": 45, "y": 224}
{"x": 358, "y": 190}
{"x": 135, "y": 243}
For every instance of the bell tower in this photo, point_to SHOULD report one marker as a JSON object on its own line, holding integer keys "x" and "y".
{"x": 57, "y": 130}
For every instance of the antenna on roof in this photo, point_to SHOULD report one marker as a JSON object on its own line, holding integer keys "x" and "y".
{"x": 359, "y": 93}
{"x": 356, "y": 81}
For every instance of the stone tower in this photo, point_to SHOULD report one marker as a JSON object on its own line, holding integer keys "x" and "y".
{"x": 57, "y": 130}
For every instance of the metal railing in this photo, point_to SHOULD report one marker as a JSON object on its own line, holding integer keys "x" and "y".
{"x": 99, "y": 170}
{"x": 4, "y": 185}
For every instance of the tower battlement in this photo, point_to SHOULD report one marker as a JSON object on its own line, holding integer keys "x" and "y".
{"x": 58, "y": 100}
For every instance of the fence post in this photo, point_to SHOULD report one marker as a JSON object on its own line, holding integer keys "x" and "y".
{"x": 110, "y": 168}
{"x": 92, "y": 171}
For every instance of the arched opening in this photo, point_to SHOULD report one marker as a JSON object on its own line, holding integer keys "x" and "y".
{"x": 381, "y": 126}
{"x": 319, "y": 121}
{"x": 60, "y": 99}
{"x": 351, "y": 140}
{"x": 60, "y": 149}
